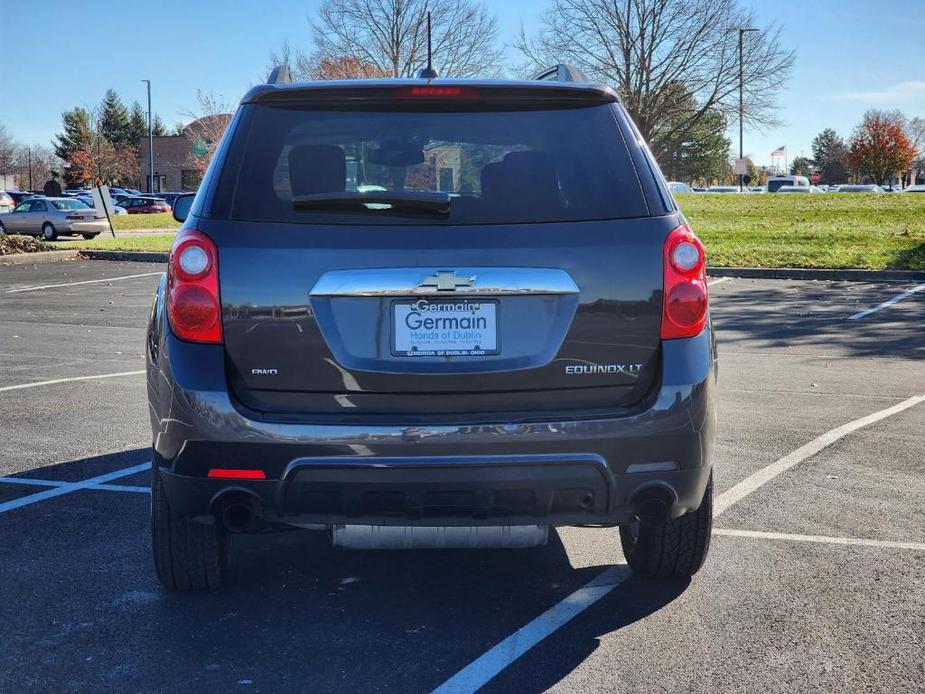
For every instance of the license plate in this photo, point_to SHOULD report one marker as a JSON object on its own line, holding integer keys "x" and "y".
{"x": 444, "y": 328}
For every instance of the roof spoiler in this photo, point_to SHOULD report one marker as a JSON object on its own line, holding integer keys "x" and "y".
{"x": 279, "y": 75}
{"x": 561, "y": 73}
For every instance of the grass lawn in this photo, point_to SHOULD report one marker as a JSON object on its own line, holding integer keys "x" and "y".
{"x": 127, "y": 222}
{"x": 826, "y": 230}
{"x": 150, "y": 242}
{"x": 834, "y": 230}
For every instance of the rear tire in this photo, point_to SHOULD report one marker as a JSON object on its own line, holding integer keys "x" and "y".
{"x": 187, "y": 555}
{"x": 676, "y": 549}
{"x": 49, "y": 233}
{"x": 89, "y": 236}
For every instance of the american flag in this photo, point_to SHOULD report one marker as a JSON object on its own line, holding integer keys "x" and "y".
{"x": 780, "y": 152}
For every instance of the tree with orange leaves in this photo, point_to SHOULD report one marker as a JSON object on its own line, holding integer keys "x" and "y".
{"x": 880, "y": 147}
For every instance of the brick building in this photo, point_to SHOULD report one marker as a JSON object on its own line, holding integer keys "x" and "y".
{"x": 178, "y": 159}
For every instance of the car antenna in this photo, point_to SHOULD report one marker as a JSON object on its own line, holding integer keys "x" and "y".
{"x": 428, "y": 73}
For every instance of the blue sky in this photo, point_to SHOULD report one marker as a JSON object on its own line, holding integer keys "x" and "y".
{"x": 851, "y": 55}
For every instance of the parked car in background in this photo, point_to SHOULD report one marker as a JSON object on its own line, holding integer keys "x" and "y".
{"x": 776, "y": 182}
{"x": 676, "y": 187}
{"x": 51, "y": 217}
{"x": 170, "y": 197}
{"x": 132, "y": 191}
{"x": 88, "y": 199}
{"x": 20, "y": 195}
{"x": 866, "y": 188}
{"x": 727, "y": 189}
{"x": 798, "y": 189}
{"x": 134, "y": 205}
{"x": 6, "y": 201}
{"x": 758, "y": 189}
{"x": 915, "y": 189}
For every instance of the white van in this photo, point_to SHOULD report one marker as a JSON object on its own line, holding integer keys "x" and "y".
{"x": 775, "y": 182}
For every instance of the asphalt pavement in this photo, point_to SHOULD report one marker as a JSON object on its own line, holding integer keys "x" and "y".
{"x": 814, "y": 581}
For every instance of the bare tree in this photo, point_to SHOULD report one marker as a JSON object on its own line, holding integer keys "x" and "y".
{"x": 646, "y": 47}
{"x": 389, "y": 37}
{"x": 7, "y": 152}
{"x": 208, "y": 122}
{"x": 45, "y": 166}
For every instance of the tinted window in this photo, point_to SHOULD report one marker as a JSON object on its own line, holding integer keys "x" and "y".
{"x": 39, "y": 206}
{"x": 498, "y": 166}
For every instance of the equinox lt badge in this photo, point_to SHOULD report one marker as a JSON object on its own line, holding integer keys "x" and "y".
{"x": 629, "y": 369}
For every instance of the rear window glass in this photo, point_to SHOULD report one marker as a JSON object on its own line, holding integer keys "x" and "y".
{"x": 514, "y": 166}
{"x": 69, "y": 205}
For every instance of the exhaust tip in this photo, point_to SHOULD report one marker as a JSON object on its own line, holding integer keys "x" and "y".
{"x": 239, "y": 513}
{"x": 653, "y": 506}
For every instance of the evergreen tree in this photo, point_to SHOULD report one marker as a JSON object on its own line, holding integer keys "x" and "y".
{"x": 76, "y": 132}
{"x": 137, "y": 124}
{"x": 157, "y": 127}
{"x": 114, "y": 119}
{"x": 75, "y": 138}
{"x": 831, "y": 155}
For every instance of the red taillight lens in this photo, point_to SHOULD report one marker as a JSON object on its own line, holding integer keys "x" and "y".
{"x": 685, "y": 302}
{"x": 437, "y": 92}
{"x": 74, "y": 218}
{"x": 236, "y": 474}
{"x": 193, "y": 304}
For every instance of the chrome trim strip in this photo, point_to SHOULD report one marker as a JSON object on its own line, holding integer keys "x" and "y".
{"x": 434, "y": 281}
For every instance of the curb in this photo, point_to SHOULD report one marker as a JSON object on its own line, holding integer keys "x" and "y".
{"x": 36, "y": 258}
{"x": 798, "y": 273}
{"x": 136, "y": 256}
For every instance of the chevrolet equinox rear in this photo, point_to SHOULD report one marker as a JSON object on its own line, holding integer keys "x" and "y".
{"x": 431, "y": 313}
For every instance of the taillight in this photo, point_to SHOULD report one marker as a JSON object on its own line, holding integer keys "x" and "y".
{"x": 684, "y": 311}
{"x": 193, "y": 304}
{"x": 438, "y": 92}
{"x": 74, "y": 217}
{"x": 236, "y": 474}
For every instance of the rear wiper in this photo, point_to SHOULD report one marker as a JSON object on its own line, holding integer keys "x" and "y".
{"x": 376, "y": 201}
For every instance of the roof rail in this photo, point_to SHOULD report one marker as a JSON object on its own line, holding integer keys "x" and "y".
{"x": 561, "y": 73}
{"x": 279, "y": 75}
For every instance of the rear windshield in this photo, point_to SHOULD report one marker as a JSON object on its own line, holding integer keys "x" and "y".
{"x": 567, "y": 164}
{"x": 69, "y": 205}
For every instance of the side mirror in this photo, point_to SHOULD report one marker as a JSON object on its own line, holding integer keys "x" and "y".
{"x": 182, "y": 206}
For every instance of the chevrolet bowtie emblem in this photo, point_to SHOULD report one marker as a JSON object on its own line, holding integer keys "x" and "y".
{"x": 446, "y": 281}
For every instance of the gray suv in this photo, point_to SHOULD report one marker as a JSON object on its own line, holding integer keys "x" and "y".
{"x": 416, "y": 313}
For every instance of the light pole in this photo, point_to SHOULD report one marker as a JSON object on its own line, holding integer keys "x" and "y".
{"x": 741, "y": 31}
{"x": 150, "y": 142}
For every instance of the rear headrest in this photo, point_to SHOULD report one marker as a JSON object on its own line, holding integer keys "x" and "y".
{"x": 492, "y": 181}
{"x": 317, "y": 169}
{"x": 532, "y": 171}
{"x": 523, "y": 184}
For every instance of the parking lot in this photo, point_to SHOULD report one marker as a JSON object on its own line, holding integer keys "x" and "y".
{"x": 814, "y": 581}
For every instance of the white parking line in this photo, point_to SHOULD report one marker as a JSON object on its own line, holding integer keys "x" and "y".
{"x": 480, "y": 671}
{"x": 768, "y": 473}
{"x": 826, "y": 539}
{"x": 502, "y": 655}
{"x": 898, "y": 297}
{"x": 36, "y": 384}
{"x": 718, "y": 281}
{"x": 71, "y": 487}
{"x": 72, "y": 284}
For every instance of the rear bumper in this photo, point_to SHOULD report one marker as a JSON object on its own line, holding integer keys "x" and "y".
{"x": 564, "y": 470}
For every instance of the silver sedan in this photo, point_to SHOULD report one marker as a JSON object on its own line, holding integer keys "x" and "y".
{"x": 50, "y": 217}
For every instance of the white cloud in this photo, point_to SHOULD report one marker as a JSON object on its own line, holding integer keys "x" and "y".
{"x": 903, "y": 91}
